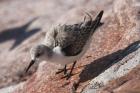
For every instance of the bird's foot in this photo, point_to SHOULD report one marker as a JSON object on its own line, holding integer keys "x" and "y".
{"x": 67, "y": 76}
{"x": 62, "y": 70}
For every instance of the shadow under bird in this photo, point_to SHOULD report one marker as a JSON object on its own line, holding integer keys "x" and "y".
{"x": 65, "y": 44}
{"x": 19, "y": 34}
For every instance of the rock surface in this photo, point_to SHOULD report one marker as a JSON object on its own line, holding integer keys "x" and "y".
{"x": 111, "y": 64}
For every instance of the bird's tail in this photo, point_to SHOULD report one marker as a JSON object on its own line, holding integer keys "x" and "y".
{"x": 96, "y": 22}
{"x": 92, "y": 25}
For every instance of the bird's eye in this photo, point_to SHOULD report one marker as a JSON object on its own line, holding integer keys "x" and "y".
{"x": 38, "y": 54}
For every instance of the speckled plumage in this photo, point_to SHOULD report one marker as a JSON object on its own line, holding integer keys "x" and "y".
{"x": 72, "y": 38}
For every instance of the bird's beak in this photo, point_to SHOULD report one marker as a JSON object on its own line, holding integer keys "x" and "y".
{"x": 31, "y": 63}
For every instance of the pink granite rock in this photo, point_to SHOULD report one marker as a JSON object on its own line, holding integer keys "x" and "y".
{"x": 120, "y": 29}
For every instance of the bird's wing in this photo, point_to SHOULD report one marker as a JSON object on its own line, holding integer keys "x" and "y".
{"x": 72, "y": 38}
{"x": 69, "y": 38}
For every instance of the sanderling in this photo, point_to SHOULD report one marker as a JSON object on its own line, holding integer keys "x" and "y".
{"x": 66, "y": 44}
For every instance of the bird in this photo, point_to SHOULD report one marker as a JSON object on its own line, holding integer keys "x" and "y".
{"x": 65, "y": 44}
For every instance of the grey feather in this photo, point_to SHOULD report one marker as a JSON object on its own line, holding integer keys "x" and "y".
{"x": 72, "y": 38}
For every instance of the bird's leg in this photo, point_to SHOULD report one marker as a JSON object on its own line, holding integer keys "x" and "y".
{"x": 62, "y": 70}
{"x": 70, "y": 73}
{"x": 65, "y": 69}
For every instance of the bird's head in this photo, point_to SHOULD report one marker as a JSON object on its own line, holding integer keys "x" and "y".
{"x": 39, "y": 52}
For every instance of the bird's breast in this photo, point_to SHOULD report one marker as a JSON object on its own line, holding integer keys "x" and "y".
{"x": 59, "y": 58}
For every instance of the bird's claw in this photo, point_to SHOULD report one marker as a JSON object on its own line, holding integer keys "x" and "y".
{"x": 67, "y": 76}
{"x": 61, "y": 70}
